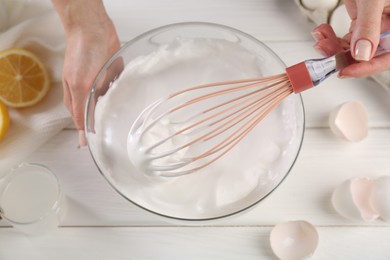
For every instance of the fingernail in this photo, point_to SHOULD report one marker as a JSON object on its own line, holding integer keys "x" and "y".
{"x": 317, "y": 35}
{"x": 341, "y": 76}
{"x": 320, "y": 50}
{"x": 82, "y": 139}
{"x": 363, "y": 49}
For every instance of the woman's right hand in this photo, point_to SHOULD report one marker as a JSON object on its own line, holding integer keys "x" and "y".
{"x": 369, "y": 19}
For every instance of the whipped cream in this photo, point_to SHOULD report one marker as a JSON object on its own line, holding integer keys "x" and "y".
{"x": 250, "y": 170}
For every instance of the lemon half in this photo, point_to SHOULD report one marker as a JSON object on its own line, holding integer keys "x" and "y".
{"x": 24, "y": 79}
{"x": 4, "y": 120}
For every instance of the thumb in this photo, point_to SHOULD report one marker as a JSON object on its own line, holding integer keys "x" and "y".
{"x": 365, "y": 37}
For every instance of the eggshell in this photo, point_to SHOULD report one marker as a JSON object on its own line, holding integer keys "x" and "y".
{"x": 352, "y": 199}
{"x": 343, "y": 203}
{"x": 381, "y": 196}
{"x": 361, "y": 189}
{"x": 340, "y": 21}
{"x": 349, "y": 121}
{"x": 294, "y": 240}
{"x": 320, "y": 4}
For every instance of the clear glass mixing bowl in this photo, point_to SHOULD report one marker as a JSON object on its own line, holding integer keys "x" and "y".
{"x": 189, "y": 200}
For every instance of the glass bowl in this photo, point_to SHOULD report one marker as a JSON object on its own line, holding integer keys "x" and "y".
{"x": 170, "y": 58}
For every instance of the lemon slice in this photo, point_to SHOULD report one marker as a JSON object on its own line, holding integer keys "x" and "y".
{"x": 24, "y": 79}
{"x": 4, "y": 120}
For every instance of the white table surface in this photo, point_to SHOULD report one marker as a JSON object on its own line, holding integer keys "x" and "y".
{"x": 100, "y": 224}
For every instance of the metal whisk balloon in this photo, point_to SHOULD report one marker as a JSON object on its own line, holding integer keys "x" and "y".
{"x": 192, "y": 128}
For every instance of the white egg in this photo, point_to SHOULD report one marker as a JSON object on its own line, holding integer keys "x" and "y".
{"x": 381, "y": 196}
{"x": 349, "y": 121}
{"x": 320, "y": 4}
{"x": 294, "y": 240}
{"x": 340, "y": 21}
{"x": 352, "y": 199}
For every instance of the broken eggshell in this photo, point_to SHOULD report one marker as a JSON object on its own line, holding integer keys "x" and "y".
{"x": 349, "y": 121}
{"x": 381, "y": 196}
{"x": 294, "y": 240}
{"x": 363, "y": 199}
{"x": 352, "y": 199}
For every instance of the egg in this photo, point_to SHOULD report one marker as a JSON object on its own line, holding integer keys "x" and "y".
{"x": 363, "y": 198}
{"x": 294, "y": 240}
{"x": 320, "y": 4}
{"x": 349, "y": 121}
{"x": 340, "y": 21}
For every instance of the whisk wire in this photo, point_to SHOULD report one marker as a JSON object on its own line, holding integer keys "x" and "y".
{"x": 247, "y": 111}
{"x": 253, "y": 82}
{"x": 223, "y": 125}
{"x": 259, "y": 101}
{"x": 155, "y": 106}
{"x": 229, "y": 108}
{"x": 275, "y": 100}
{"x": 229, "y": 82}
{"x": 232, "y": 144}
{"x": 229, "y": 142}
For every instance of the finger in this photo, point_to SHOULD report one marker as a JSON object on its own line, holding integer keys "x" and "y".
{"x": 78, "y": 118}
{"x": 324, "y": 31}
{"x": 365, "y": 37}
{"x": 345, "y": 42}
{"x": 82, "y": 138}
{"x": 78, "y": 114}
{"x": 67, "y": 97}
{"x": 347, "y": 39}
{"x": 328, "y": 47}
{"x": 351, "y": 8}
{"x": 352, "y": 26}
{"x": 386, "y": 21}
{"x": 367, "y": 68}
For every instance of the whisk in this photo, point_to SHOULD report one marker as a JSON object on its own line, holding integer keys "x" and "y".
{"x": 190, "y": 129}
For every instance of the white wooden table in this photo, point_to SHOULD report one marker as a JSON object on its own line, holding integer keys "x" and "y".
{"x": 100, "y": 224}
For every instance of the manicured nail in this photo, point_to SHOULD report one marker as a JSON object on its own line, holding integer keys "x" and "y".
{"x": 342, "y": 76}
{"x": 320, "y": 50}
{"x": 317, "y": 35}
{"x": 363, "y": 49}
{"x": 82, "y": 139}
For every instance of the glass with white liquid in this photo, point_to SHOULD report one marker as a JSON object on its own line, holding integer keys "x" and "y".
{"x": 31, "y": 199}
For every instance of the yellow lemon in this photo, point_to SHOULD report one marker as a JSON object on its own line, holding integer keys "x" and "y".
{"x": 4, "y": 120}
{"x": 24, "y": 79}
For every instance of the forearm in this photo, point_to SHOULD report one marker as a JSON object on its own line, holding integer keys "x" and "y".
{"x": 78, "y": 14}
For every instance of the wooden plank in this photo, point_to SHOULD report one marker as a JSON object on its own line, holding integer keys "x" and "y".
{"x": 251, "y": 16}
{"x": 100, "y": 224}
{"x": 187, "y": 243}
{"x": 323, "y": 163}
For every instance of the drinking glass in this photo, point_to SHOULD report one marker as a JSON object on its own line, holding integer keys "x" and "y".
{"x": 31, "y": 199}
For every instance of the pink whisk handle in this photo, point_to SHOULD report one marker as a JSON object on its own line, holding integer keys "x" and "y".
{"x": 309, "y": 73}
{"x": 299, "y": 77}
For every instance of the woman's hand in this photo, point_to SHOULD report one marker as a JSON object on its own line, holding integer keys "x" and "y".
{"x": 369, "y": 19}
{"x": 91, "y": 41}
